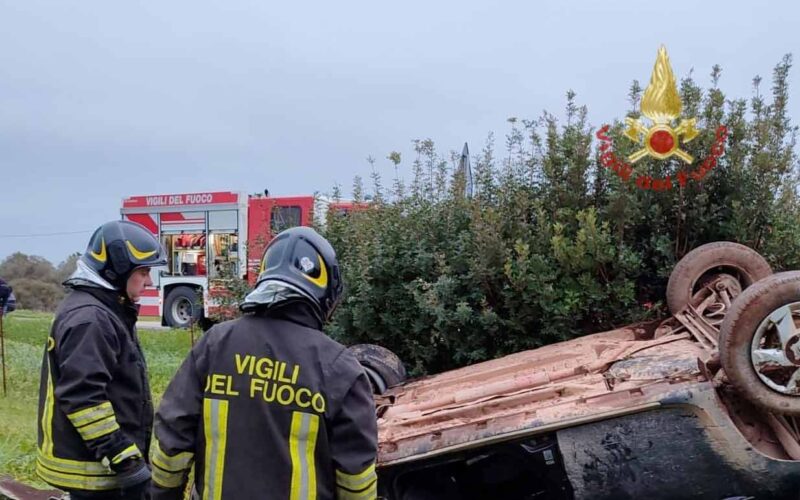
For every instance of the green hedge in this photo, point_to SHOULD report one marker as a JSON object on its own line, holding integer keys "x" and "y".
{"x": 552, "y": 245}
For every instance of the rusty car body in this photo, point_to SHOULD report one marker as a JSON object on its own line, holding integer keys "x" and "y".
{"x": 645, "y": 411}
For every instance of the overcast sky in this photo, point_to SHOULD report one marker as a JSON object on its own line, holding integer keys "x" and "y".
{"x": 100, "y": 100}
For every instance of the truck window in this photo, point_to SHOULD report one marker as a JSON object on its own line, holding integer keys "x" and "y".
{"x": 224, "y": 255}
{"x": 186, "y": 253}
{"x": 285, "y": 217}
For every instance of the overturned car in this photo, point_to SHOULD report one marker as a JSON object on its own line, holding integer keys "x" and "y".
{"x": 704, "y": 404}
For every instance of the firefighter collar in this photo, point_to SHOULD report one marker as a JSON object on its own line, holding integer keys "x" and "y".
{"x": 270, "y": 293}
{"x": 86, "y": 276}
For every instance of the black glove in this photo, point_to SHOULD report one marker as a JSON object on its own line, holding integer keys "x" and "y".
{"x": 131, "y": 471}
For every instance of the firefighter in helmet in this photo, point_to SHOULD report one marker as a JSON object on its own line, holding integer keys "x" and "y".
{"x": 267, "y": 406}
{"x": 95, "y": 410}
{"x": 5, "y": 295}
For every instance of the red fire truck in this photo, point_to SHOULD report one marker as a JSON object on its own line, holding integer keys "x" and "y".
{"x": 210, "y": 236}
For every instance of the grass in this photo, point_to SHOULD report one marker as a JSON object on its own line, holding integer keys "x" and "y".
{"x": 25, "y": 335}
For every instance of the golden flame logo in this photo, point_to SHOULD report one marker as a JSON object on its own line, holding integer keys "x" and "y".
{"x": 661, "y": 103}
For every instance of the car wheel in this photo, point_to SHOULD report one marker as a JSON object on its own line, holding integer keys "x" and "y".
{"x": 384, "y": 368}
{"x": 760, "y": 343}
{"x": 722, "y": 259}
{"x": 182, "y": 307}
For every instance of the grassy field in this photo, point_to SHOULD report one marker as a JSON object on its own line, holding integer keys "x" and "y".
{"x": 25, "y": 334}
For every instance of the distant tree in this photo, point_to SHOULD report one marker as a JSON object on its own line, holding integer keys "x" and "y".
{"x": 36, "y": 282}
{"x": 37, "y": 295}
{"x": 18, "y": 265}
{"x": 67, "y": 267}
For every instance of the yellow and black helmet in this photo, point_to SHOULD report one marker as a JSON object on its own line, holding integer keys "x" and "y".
{"x": 119, "y": 247}
{"x": 302, "y": 258}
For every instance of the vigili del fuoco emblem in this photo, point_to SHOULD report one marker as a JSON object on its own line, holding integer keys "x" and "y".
{"x": 662, "y": 135}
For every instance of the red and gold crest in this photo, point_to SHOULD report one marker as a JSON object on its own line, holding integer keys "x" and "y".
{"x": 661, "y": 103}
{"x": 662, "y": 135}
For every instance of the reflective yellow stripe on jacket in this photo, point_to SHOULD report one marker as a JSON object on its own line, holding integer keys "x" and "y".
{"x": 91, "y": 414}
{"x": 169, "y": 470}
{"x": 95, "y": 421}
{"x": 302, "y": 443}
{"x": 215, "y": 423}
{"x": 66, "y": 473}
{"x": 131, "y": 451}
{"x": 73, "y": 466}
{"x": 361, "y": 486}
{"x": 75, "y": 481}
{"x": 74, "y": 473}
{"x": 47, "y": 415}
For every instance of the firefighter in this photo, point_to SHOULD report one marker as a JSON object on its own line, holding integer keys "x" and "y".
{"x": 95, "y": 410}
{"x": 267, "y": 406}
{"x": 5, "y": 295}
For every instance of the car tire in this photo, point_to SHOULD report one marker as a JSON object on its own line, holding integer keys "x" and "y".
{"x": 182, "y": 307}
{"x": 722, "y": 256}
{"x": 750, "y": 315}
{"x": 384, "y": 368}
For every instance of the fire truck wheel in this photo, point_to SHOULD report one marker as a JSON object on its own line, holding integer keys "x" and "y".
{"x": 183, "y": 307}
{"x": 384, "y": 368}
{"x": 705, "y": 261}
{"x": 760, "y": 343}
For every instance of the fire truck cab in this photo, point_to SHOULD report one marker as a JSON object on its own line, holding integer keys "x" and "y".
{"x": 210, "y": 236}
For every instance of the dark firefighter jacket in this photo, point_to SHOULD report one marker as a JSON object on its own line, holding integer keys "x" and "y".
{"x": 5, "y": 294}
{"x": 95, "y": 409}
{"x": 267, "y": 406}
